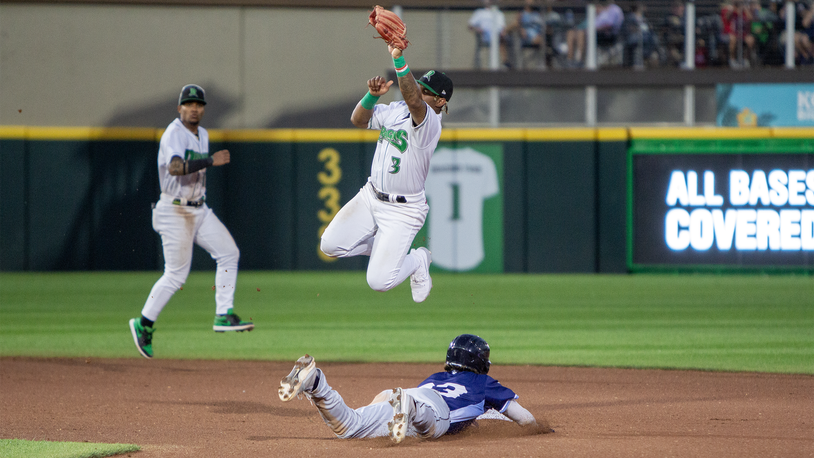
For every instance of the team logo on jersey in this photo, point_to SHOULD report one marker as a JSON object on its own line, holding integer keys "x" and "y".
{"x": 397, "y": 138}
{"x": 447, "y": 390}
{"x": 192, "y": 154}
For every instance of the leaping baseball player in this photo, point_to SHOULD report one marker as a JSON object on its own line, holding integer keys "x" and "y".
{"x": 445, "y": 403}
{"x": 182, "y": 218}
{"x": 383, "y": 218}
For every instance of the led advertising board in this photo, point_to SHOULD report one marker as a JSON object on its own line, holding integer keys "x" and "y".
{"x": 721, "y": 210}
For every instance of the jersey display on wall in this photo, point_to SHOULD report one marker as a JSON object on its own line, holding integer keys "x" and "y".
{"x": 458, "y": 183}
{"x": 465, "y": 223}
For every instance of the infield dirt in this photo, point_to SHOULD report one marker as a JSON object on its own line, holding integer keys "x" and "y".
{"x": 183, "y": 408}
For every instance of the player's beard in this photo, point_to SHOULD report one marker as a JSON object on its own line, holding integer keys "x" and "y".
{"x": 191, "y": 117}
{"x": 191, "y": 122}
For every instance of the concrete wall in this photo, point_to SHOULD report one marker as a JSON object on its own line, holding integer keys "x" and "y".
{"x": 123, "y": 65}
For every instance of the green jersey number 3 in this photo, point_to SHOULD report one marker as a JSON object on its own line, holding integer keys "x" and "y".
{"x": 396, "y": 164}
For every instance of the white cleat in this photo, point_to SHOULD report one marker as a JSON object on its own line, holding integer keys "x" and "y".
{"x": 401, "y": 403}
{"x": 420, "y": 280}
{"x": 302, "y": 375}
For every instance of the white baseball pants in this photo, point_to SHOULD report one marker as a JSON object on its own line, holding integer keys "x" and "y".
{"x": 180, "y": 227}
{"x": 430, "y": 419}
{"x": 367, "y": 226}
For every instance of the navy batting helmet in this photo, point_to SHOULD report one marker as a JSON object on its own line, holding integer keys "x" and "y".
{"x": 468, "y": 352}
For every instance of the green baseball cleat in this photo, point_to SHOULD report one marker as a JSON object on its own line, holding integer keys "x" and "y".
{"x": 231, "y": 322}
{"x": 143, "y": 337}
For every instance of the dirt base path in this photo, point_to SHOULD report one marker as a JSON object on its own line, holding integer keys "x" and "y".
{"x": 230, "y": 408}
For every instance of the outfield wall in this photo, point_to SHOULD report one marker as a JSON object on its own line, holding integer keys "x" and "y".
{"x": 547, "y": 200}
{"x": 738, "y": 199}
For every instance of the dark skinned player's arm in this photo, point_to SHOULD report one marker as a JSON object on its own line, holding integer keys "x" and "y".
{"x": 411, "y": 94}
{"x": 410, "y": 91}
{"x": 412, "y": 97}
{"x": 361, "y": 116}
{"x": 363, "y": 112}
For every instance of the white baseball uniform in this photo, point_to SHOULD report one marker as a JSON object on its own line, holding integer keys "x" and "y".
{"x": 182, "y": 218}
{"x": 384, "y": 227}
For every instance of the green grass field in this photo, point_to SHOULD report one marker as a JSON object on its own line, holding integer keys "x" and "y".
{"x": 714, "y": 322}
{"x": 46, "y": 449}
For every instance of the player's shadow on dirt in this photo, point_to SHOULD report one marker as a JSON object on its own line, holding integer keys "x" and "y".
{"x": 493, "y": 429}
{"x": 274, "y": 438}
{"x": 483, "y": 430}
{"x": 247, "y": 407}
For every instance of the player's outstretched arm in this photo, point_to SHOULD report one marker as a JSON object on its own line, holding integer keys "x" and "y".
{"x": 376, "y": 87}
{"x": 222, "y": 157}
{"x": 519, "y": 414}
{"x": 409, "y": 87}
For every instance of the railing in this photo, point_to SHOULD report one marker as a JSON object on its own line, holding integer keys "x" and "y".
{"x": 689, "y": 35}
{"x": 702, "y": 36}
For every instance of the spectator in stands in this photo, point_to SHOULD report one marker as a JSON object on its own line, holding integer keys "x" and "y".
{"x": 641, "y": 43}
{"x": 802, "y": 52}
{"x": 555, "y": 29}
{"x": 533, "y": 28}
{"x": 609, "y": 18}
{"x": 528, "y": 25}
{"x": 737, "y": 19}
{"x": 764, "y": 29}
{"x": 674, "y": 27}
{"x": 483, "y": 23}
{"x": 807, "y": 38}
{"x": 551, "y": 17}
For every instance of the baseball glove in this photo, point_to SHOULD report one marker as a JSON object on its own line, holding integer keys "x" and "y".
{"x": 391, "y": 28}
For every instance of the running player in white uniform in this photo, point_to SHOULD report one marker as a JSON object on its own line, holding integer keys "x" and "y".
{"x": 445, "y": 403}
{"x": 182, "y": 218}
{"x": 382, "y": 220}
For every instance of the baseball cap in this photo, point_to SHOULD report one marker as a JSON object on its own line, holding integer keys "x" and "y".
{"x": 438, "y": 83}
{"x": 192, "y": 93}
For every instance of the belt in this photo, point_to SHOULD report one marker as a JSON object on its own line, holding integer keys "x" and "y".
{"x": 182, "y": 201}
{"x": 188, "y": 203}
{"x": 383, "y": 196}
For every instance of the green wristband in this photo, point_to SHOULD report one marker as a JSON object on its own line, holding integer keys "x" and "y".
{"x": 401, "y": 66}
{"x": 368, "y": 101}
